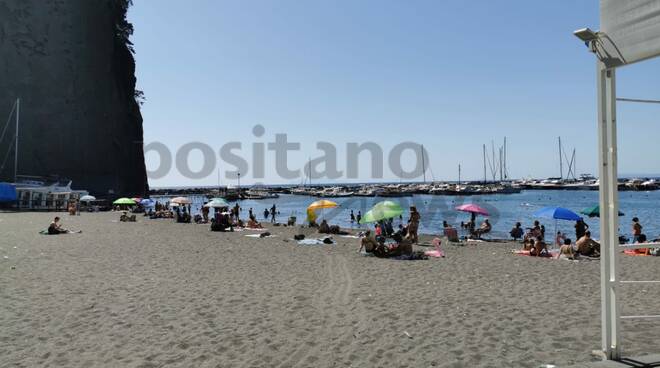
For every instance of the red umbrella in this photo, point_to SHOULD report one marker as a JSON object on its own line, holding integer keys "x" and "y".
{"x": 472, "y": 208}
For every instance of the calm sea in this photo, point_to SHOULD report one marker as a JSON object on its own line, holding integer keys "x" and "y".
{"x": 505, "y": 210}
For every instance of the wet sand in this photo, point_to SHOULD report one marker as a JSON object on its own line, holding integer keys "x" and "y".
{"x": 159, "y": 294}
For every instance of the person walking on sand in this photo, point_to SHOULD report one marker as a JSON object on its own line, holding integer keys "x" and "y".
{"x": 636, "y": 230}
{"x": 413, "y": 225}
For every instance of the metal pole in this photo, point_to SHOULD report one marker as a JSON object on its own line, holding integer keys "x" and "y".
{"x": 608, "y": 192}
{"x": 18, "y": 112}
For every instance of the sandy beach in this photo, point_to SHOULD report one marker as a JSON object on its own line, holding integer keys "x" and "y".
{"x": 159, "y": 294}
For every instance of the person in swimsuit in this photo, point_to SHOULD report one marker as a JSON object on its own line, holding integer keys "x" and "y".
{"x": 566, "y": 251}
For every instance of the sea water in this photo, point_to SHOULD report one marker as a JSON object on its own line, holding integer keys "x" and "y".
{"x": 505, "y": 210}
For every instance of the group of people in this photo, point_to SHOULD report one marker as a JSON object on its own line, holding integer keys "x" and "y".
{"x": 402, "y": 239}
{"x": 534, "y": 240}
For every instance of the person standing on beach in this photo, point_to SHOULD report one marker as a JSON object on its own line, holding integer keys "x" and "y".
{"x": 413, "y": 224}
{"x": 636, "y": 230}
{"x": 266, "y": 214}
{"x": 273, "y": 212}
{"x": 251, "y": 214}
{"x": 237, "y": 210}
{"x": 352, "y": 218}
{"x": 359, "y": 217}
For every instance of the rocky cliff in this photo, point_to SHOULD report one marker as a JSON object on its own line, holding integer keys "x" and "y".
{"x": 71, "y": 64}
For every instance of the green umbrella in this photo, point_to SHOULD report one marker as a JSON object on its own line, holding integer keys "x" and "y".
{"x": 217, "y": 203}
{"x": 127, "y": 201}
{"x": 382, "y": 211}
{"x": 595, "y": 212}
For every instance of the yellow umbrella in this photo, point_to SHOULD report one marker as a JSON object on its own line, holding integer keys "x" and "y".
{"x": 319, "y": 205}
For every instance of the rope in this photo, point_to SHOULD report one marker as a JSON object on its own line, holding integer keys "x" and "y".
{"x": 13, "y": 108}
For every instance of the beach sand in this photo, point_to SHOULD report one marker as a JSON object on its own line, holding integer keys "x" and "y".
{"x": 155, "y": 293}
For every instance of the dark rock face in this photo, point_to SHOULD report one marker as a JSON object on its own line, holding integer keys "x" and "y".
{"x": 71, "y": 64}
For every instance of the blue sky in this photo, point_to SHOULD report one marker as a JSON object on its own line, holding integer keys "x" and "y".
{"x": 451, "y": 75}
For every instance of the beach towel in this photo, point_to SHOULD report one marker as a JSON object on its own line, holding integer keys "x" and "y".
{"x": 631, "y": 252}
{"x": 553, "y": 254}
{"x": 260, "y": 236}
{"x": 315, "y": 242}
{"x": 349, "y": 236}
{"x": 45, "y": 232}
{"x": 415, "y": 256}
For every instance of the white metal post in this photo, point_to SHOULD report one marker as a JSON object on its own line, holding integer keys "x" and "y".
{"x": 18, "y": 112}
{"x": 609, "y": 208}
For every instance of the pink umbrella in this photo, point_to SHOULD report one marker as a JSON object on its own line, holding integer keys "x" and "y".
{"x": 472, "y": 208}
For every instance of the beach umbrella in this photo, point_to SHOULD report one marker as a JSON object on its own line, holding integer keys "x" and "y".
{"x": 126, "y": 201}
{"x": 87, "y": 198}
{"x": 319, "y": 205}
{"x": 472, "y": 208}
{"x": 181, "y": 200}
{"x": 147, "y": 202}
{"x": 217, "y": 203}
{"x": 595, "y": 212}
{"x": 382, "y": 211}
{"x": 557, "y": 213}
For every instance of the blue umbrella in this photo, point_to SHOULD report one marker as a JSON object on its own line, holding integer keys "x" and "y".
{"x": 557, "y": 213}
{"x": 147, "y": 202}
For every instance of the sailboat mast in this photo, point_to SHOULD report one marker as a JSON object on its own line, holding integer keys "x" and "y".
{"x": 309, "y": 164}
{"x": 494, "y": 168}
{"x": 506, "y": 173}
{"x": 501, "y": 166}
{"x": 561, "y": 163}
{"x": 459, "y": 174}
{"x": 423, "y": 164}
{"x": 18, "y": 109}
{"x": 485, "y": 174}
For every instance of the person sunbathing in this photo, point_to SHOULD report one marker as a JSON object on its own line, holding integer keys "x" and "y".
{"x": 404, "y": 246}
{"x": 587, "y": 246}
{"x": 566, "y": 251}
{"x": 368, "y": 243}
{"x": 540, "y": 249}
{"x": 253, "y": 224}
{"x": 485, "y": 228}
{"x": 56, "y": 228}
{"x": 324, "y": 228}
{"x": 641, "y": 238}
